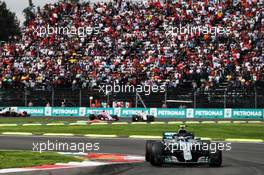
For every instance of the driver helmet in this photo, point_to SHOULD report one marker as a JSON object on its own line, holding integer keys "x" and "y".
{"x": 182, "y": 129}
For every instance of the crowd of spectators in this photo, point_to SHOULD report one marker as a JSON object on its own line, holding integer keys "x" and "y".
{"x": 131, "y": 43}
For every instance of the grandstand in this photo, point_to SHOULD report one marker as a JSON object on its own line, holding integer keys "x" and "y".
{"x": 128, "y": 43}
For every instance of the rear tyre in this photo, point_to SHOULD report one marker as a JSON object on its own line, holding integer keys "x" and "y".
{"x": 92, "y": 117}
{"x": 24, "y": 114}
{"x": 148, "y": 149}
{"x": 14, "y": 114}
{"x": 215, "y": 159}
{"x": 156, "y": 154}
{"x": 150, "y": 118}
{"x": 115, "y": 117}
{"x": 8, "y": 114}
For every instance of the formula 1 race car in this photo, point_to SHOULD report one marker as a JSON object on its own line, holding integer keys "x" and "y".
{"x": 182, "y": 147}
{"x": 104, "y": 116}
{"x": 142, "y": 117}
{"x": 12, "y": 112}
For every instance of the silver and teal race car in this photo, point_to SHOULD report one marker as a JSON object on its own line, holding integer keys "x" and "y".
{"x": 142, "y": 117}
{"x": 182, "y": 147}
{"x": 12, "y": 112}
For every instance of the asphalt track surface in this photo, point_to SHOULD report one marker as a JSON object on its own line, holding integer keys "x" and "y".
{"x": 243, "y": 159}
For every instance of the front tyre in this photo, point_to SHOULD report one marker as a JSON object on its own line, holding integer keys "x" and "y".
{"x": 156, "y": 154}
{"x": 148, "y": 149}
{"x": 134, "y": 118}
{"x": 215, "y": 159}
{"x": 115, "y": 117}
{"x": 150, "y": 118}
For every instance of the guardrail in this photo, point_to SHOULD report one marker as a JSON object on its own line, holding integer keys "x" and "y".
{"x": 212, "y": 113}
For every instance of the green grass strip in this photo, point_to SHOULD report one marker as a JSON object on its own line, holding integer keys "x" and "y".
{"x": 214, "y": 131}
{"x": 18, "y": 159}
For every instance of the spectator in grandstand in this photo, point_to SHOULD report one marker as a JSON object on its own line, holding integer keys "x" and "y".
{"x": 63, "y": 103}
{"x": 164, "y": 105}
{"x": 48, "y": 104}
{"x": 30, "y": 104}
{"x": 129, "y": 43}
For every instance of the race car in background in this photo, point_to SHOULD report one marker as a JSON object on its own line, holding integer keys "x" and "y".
{"x": 103, "y": 116}
{"x": 182, "y": 147}
{"x": 142, "y": 117}
{"x": 12, "y": 112}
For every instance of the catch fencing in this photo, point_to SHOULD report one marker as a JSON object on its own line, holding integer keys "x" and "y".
{"x": 171, "y": 98}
